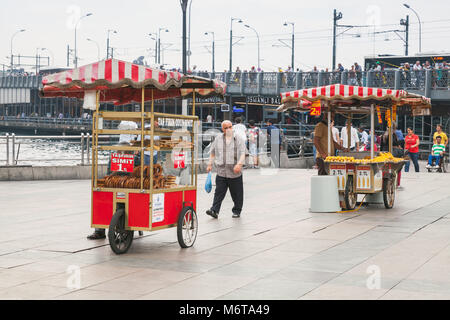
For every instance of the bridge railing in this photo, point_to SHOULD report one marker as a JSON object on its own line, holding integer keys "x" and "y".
{"x": 276, "y": 82}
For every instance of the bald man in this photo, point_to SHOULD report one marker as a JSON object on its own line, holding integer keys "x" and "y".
{"x": 228, "y": 155}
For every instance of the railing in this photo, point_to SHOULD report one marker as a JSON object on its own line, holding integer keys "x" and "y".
{"x": 276, "y": 82}
{"x": 58, "y": 121}
{"x": 44, "y": 149}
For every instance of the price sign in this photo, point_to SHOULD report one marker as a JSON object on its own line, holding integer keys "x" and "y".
{"x": 340, "y": 172}
{"x": 363, "y": 177}
{"x": 179, "y": 161}
{"x": 122, "y": 162}
{"x": 315, "y": 109}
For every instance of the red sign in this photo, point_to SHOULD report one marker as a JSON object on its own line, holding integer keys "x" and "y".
{"x": 179, "y": 161}
{"x": 122, "y": 162}
{"x": 315, "y": 109}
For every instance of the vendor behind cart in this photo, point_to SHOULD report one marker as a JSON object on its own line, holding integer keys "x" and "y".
{"x": 321, "y": 136}
{"x": 147, "y": 126}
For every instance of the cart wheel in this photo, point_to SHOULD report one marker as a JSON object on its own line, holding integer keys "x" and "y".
{"x": 119, "y": 239}
{"x": 388, "y": 193}
{"x": 187, "y": 227}
{"x": 349, "y": 195}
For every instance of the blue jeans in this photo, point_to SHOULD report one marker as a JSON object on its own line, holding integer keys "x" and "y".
{"x": 435, "y": 158}
{"x": 414, "y": 156}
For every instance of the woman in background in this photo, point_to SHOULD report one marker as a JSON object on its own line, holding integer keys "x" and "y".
{"x": 412, "y": 142}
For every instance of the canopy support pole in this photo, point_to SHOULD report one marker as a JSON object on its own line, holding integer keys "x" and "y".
{"x": 349, "y": 130}
{"x": 372, "y": 131}
{"x": 330, "y": 137}
{"x": 390, "y": 129}
{"x": 142, "y": 137}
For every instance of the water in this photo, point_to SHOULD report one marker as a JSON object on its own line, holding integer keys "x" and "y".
{"x": 47, "y": 152}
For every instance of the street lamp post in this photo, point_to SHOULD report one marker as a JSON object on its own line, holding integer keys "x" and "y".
{"x": 257, "y": 35}
{"x": 38, "y": 58}
{"x": 159, "y": 43}
{"x": 12, "y": 60}
{"x": 420, "y": 26}
{"x": 107, "y": 43}
{"x": 293, "y": 42}
{"x": 213, "y": 54}
{"x": 98, "y": 47}
{"x": 75, "y": 47}
{"x": 189, "y": 53}
{"x": 231, "y": 42}
{"x": 154, "y": 36}
{"x": 336, "y": 17}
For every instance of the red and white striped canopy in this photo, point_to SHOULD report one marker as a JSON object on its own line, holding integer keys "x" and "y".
{"x": 345, "y": 94}
{"x": 118, "y": 80}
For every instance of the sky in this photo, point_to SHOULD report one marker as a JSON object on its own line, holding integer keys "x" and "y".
{"x": 50, "y": 25}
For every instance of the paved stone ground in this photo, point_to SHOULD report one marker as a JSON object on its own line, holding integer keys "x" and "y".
{"x": 276, "y": 250}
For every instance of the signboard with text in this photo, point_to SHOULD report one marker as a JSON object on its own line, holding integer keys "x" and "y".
{"x": 315, "y": 109}
{"x": 122, "y": 162}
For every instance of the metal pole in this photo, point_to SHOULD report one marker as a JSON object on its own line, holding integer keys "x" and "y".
{"x": 293, "y": 45}
{"x": 231, "y": 45}
{"x": 7, "y": 149}
{"x": 189, "y": 41}
{"x": 13, "y": 148}
{"x": 183, "y": 7}
{"x": 213, "y": 55}
{"x": 330, "y": 137}
{"x": 107, "y": 47}
{"x": 82, "y": 149}
{"x": 372, "y": 131}
{"x": 334, "y": 40}
{"x": 75, "y": 52}
{"x": 88, "y": 157}
{"x": 406, "y": 35}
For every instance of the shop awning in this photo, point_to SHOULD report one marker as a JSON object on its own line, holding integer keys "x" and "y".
{"x": 118, "y": 80}
{"x": 339, "y": 95}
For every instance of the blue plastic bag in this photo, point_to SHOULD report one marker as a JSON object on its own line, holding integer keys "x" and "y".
{"x": 208, "y": 183}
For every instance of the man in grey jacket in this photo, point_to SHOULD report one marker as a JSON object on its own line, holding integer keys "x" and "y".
{"x": 228, "y": 155}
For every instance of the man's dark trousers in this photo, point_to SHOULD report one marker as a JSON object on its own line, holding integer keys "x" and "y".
{"x": 236, "y": 190}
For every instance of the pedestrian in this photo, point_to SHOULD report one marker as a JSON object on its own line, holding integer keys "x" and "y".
{"x": 358, "y": 71}
{"x": 335, "y": 134}
{"x": 400, "y": 138}
{"x": 440, "y": 133}
{"x": 274, "y": 136}
{"x": 321, "y": 137}
{"x": 240, "y": 129}
{"x": 352, "y": 76}
{"x": 354, "y": 140}
{"x": 228, "y": 155}
{"x": 397, "y": 149}
{"x": 253, "y": 134}
{"x": 412, "y": 142}
{"x": 437, "y": 152}
{"x": 364, "y": 137}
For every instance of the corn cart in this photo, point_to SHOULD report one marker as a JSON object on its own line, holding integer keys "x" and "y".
{"x": 365, "y": 172}
{"x": 149, "y": 195}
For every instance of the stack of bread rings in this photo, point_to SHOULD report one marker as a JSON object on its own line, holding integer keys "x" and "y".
{"x": 133, "y": 181}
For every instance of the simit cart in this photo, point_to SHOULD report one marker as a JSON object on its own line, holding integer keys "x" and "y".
{"x": 139, "y": 194}
{"x": 360, "y": 172}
